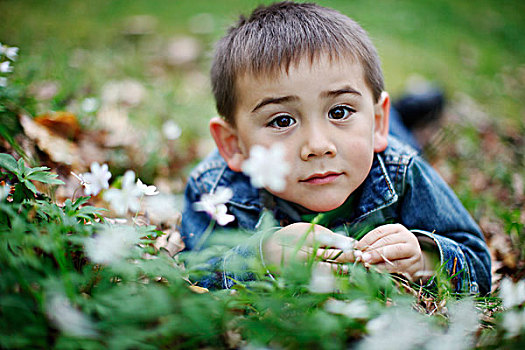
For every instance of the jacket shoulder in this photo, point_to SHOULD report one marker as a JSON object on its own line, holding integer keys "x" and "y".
{"x": 213, "y": 172}
{"x": 398, "y": 152}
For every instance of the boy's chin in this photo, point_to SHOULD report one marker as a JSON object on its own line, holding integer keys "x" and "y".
{"x": 318, "y": 205}
{"x": 321, "y": 207}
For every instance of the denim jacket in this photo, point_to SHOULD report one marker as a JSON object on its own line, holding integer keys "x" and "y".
{"x": 400, "y": 188}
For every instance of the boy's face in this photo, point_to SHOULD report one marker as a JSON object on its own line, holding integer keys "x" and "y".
{"x": 324, "y": 115}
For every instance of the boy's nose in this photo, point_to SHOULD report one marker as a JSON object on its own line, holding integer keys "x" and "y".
{"x": 317, "y": 144}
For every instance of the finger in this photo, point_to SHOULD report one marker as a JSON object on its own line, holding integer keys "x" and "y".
{"x": 401, "y": 267}
{"x": 332, "y": 255}
{"x": 387, "y": 254}
{"x": 281, "y": 254}
{"x": 328, "y": 253}
{"x": 376, "y": 234}
{"x": 300, "y": 233}
{"x": 337, "y": 268}
{"x": 391, "y": 239}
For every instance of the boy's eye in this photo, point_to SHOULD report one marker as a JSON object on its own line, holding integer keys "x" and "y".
{"x": 282, "y": 121}
{"x": 340, "y": 112}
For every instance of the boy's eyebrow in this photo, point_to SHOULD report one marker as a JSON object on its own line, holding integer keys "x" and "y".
{"x": 343, "y": 90}
{"x": 276, "y": 100}
{"x": 331, "y": 93}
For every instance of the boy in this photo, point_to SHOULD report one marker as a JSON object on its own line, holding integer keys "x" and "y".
{"x": 309, "y": 78}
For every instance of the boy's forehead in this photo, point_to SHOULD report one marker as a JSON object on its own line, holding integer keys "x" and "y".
{"x": 305, "y": 67}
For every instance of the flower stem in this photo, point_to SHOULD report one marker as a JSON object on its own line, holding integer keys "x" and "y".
{"x": 205, "y": 235}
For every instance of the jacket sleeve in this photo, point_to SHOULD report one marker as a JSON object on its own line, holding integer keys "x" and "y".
{"x": 430, "y": 208}
{"x": 222, "y": 267}
{"x": 194, "y": 223}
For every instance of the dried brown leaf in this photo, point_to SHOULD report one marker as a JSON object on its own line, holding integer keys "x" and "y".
{"x": 58, "y": 149}
{"x": 171, "y": 242}
{"x": 198, "y": 290}
{"x": 62, "y": 123}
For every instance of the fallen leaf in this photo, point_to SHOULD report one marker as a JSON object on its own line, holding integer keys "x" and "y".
{"x": 58, "y": 149}
{"x": 62, "y": 123}
{"x": 171, "y": 241}
{"x": 198, "y": 290}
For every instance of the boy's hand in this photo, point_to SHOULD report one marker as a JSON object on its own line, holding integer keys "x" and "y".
{"x": 293, "y": 239}
{"x": 393, "y": 248}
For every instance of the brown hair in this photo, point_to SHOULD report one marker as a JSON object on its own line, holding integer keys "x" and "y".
{"x": 277, "y": 35}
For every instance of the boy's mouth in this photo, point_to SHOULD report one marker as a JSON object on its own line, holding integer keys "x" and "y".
{"x": 321, "y": 178}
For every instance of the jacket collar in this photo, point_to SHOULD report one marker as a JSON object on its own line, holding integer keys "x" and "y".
{"x": 378, "y": 191}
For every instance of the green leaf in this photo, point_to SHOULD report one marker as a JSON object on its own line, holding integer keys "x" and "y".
{"x": 45, "y": 177}
{"x": 21, "y": 167}
{"x": 21, "y": 193}
{"x": 37, "y": 169}
{"x": 80, "y": 201}
{"x": 8, "y": 162}
{"x": 88, "y": 212}
{"x": 29, "y": 185}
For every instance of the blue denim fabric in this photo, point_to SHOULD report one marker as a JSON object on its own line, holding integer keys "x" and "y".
{"x": 400, "y": 188}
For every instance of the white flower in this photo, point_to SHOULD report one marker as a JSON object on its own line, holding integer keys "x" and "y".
{"x": 514, "y": 322}
{"x": 97, "y": 179}
{"x": 267, "y": 167}
{"x": 68, "y": 319}
{"x": 11, "y": 52}
{"x": 513, "y": 294}
{"x": 89, "y": 105}
{"x": 398, "y": 328}
{"x": 127, "y": 198}
{"x": 322, "y": 280}
{"x": 460, "y": 332}
{"x": 353, "y": 309}
{"x": 111, "y": 245}
{"x": 215, "y": 205}
{"x": 164, "y": 207}
{"x": 5, "y": 67}
{"x": 221, "y": 215}
{"x": 80, "y": 178}
{"x": 171, "y": 130}
{"x": 147, "y": 190}
{"x": 3, "y": 81}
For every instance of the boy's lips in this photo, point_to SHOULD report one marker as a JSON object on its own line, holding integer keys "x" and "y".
{"x": 321, "y": 178}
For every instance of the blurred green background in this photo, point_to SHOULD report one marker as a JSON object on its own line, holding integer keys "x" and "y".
{"x": 474, "y": 47}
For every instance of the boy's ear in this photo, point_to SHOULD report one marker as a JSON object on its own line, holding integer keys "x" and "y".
{"x": 381, "y": 111}
{"x": 227, "y": 142}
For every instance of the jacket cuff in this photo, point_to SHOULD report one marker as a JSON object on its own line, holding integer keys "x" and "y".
{"x": 453, "y": 262}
